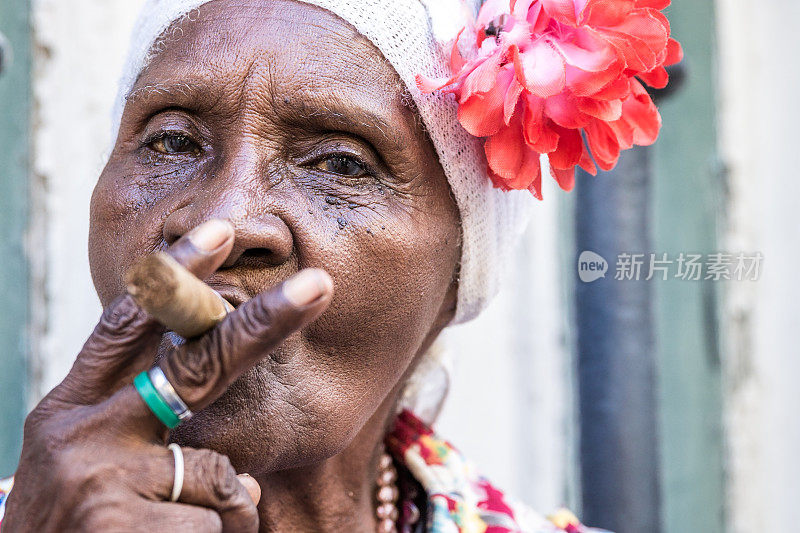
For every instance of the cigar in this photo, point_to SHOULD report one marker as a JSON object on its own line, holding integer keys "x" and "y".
{"x": 174, "y": 296}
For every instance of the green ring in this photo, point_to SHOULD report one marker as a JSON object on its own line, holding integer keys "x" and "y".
{"x": 154, "y": 401}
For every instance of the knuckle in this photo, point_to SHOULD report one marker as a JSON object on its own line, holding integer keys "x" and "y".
{"x": 122, "y": 324}
{"x": 48, "y": 440}
{"x": 122, "y": 317}
{"x": 98, "y": 518}
{"x": 212, "y": 523}
{"x": 31, "y": 429}
{"x": 219, "y": 476}
{"x": 259, "y": 318}
{"x": 194, "y": 367}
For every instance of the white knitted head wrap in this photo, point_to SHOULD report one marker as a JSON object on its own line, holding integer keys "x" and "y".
{"x": 415, "y": 36}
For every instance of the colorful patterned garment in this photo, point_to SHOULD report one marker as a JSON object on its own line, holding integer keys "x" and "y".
{"x": 5, "y": 488}
{"x": 458, "y": 499}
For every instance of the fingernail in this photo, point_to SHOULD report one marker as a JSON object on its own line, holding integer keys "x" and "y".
{"x": 252, "y": 487}
{"x": 307, "y": 286}
{"x": 210, "y": 235}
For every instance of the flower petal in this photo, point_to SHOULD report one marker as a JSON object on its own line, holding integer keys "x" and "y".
{"x": 616, "y": 90}
{"x": 655, "y": 4}
{"x": 607, "y": 110}
{"x": 512, "y": 97}
{"x": 637, "y": 55}
{"x": 586, "y": 52}
{"x": 674, "y": 53}
{"x": 510, "y": 159}
{"x": 639, "y": 111}
{"x": 564, "y": 177}
{"x": 605, "y": 13}
{"x": 563, "y": 110}
{"x": 521, "y": 8}
{"x": 647, "y": 25}
{"x": 562, "y": 11}
{"x": 540, "y": 69}
{"x": 603, "y": 144}
{"x": 569, "y": 151}
{"x": 583, "y": 83}
{"x": 656, "y": 78}
{"x": 483, "y": 78}
{"x": 457, "y": 61}
{"x": 429, "y": 85}
{"x": 586, "y": 162}
{"x": 536, "y": 128}
{"x": 483, "y": 115}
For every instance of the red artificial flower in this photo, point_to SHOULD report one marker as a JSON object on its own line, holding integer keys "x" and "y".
{"x": 537, "y": 76}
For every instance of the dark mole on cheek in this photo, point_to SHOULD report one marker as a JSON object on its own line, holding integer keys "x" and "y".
{"x": 331, "y": 200}
{"x": 342, "y": 222}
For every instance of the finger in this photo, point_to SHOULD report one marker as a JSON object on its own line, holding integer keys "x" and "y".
{"x": 200, "y": 371}
{"x": 171, "y": 517}
{"x": 124, "y": 330}
{"x": 210, "y": 481}
{"x": 125, "y": 340}
{"x": 252, "y": 486}
{"x": 204, "y": 249}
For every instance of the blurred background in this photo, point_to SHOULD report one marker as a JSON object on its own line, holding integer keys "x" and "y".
{"x": 647, "y": 406}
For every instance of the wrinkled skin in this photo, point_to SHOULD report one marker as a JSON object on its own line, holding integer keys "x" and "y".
{"x": 280, "y": 118}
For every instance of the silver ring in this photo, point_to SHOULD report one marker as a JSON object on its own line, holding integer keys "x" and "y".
{"x": 177, "y": 484}
{"x": 167, "y": 392}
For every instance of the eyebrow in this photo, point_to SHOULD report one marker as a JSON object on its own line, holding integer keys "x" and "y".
{"x": 320, "y": 107}
{"x": 172, "y": 91}
{"x": 365, "y": 122}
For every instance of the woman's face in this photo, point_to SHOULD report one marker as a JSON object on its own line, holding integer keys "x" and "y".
{"x": 281, "y": 118}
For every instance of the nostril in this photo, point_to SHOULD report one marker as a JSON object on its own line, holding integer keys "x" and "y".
{"x": 258, "y": 253}
{"x": 253, "y": 257}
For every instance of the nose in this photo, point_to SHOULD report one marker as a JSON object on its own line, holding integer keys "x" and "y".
{"x": 261, "y": 239}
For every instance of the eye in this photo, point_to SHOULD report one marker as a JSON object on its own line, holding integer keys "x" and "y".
{"x": 174, "y": 143}
{"x": 344, "y": 165}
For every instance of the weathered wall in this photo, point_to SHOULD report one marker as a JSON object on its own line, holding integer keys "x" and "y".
{"x": 15, "y": 106}
{"x": 510, "y": 408}
{"x": 79, "y": 47}
{"x": 759, "y": 78}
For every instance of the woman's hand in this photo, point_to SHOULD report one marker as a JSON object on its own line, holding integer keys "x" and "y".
{"x": 94, "y": 456}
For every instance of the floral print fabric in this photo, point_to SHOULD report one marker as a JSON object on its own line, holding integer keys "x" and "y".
{"x": 460, "y": 500}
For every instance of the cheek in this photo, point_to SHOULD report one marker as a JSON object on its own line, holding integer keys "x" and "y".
{"x": 125, "y": 223}
{"x": 392, "y": 274}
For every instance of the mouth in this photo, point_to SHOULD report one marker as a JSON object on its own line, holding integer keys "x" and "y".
{"x": 234, "y": 295}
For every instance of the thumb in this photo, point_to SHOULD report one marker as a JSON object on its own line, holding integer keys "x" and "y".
{"x": 252, "y": 487}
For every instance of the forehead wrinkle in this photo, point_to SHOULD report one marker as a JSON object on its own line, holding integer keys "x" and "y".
{"x": 354, "y": 67}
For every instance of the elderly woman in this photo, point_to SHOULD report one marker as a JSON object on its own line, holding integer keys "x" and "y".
{"x": 282, "y": 151}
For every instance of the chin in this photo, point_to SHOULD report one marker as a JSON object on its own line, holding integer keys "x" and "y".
{"x": 247, "y": 425}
